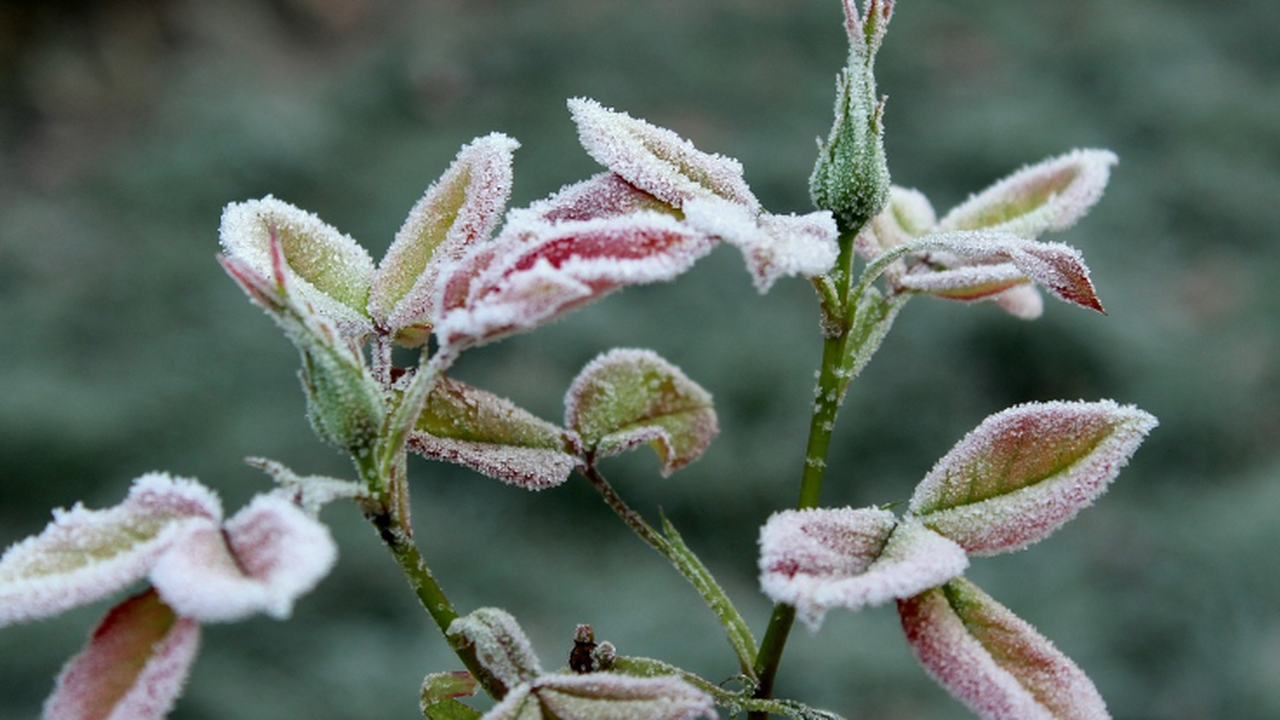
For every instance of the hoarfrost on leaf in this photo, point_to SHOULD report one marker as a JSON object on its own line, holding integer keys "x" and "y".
{"x": 500, "y": 645}
{"x": 626, "y": 397}
{"x": 993, "y": 661}
{"x": 772, "y": 245}
{"x": 603, "y": 195}
{"x": 133, "y": 667}
{"x": 1026, "y": 471}
{"x": 817, "y": 559}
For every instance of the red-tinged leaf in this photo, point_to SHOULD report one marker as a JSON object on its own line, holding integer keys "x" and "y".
{"x": 1026, "y": 471}
{"x": 772, "y": 245}
{"x": 1049, "y": 196}
{"x": 493, "y": 436}
{"x": 606, "y": 696}
{"x": 133, "y": 667}
{"x": 459, "y": 210}
{"x": 992, "y": 661}
{"x": 439, "y": 693}
{"x": 536, "y": 271}
{"x": 600, "y": 196}
{"x": 500, "y": 645}
{"x": 657, "y": 160}
{"x": 85, "y": 555}
{"x": 325, "y": 268}
{"x": 626, "y": 398}
{"x": 966, "y": 282}
{"x": 264, "y": 558}
{"x": 818, "y": 559}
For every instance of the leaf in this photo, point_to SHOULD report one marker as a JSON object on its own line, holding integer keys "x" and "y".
{"x": 1046, "y": 197}
{"x": 266, "y": 556}
{"x": 988, "y": 262}
{"x": 325, "y": 268}
{"x": 772, "y": 245}
{"x": 625, "y": 398}
{"x": 500, "y": 646}
{"x": 459, "y": 210}
{"x": 604, "y": 696}
{"x": 85, "y": 555}
{"x": 491, "y": 435}
{"x": 818, "y": 559}
{"x": 906, "y": 215}
{"x": 133, "y": 667}
{"x": 1026, "y": 471}
{"x": 439, "y": 691}
{"x": 600, "y": 196}
{"x": 536, "y": 271}
{"x": 657, "y": 160}
{"x": 992, "y": 661}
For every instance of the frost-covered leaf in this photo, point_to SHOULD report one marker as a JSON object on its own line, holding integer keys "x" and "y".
{"x": 906, "y": 215}
{"x": 818, "y": 559}
{"x": 606, "y": 696}
{"x": 1049, "y": 196}
{"x": 133, "y": 667}
{"x": 773, "y": 245}
{"x": 625, "y": 398}
{"x": 309, "y": 492}
{"x": 326, "y": 269}
{"x": 500, "y": 645}
{"x": 993, "y": 661}
{"x": 603, "y": 195}
{"x": 439, "y": 693}
{"x": 460, "y": 209}
{"x": 536, "y": 271}
{"x": 979, "y": 264}
{"x": 85, "y": 555}
{"x": 657, "y": 160}
{"x": 266, "y": 556}
{"x": 1026, "y": 471}
{"x": 493, "y": 436}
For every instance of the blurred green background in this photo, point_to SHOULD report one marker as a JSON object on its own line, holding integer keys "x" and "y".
{"x": 125, "y": 126}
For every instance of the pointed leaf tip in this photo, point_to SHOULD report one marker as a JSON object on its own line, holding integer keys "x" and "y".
{"x": 625, "y": 398}
{"x": 992, "y": 661}
{"x": 1026, "y": 471}
{"x": 133, "y": 667}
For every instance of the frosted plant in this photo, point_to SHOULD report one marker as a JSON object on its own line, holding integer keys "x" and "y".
{"x": 463, "y": 271}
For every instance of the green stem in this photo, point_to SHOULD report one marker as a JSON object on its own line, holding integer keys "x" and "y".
{"x": 671, "y": 546}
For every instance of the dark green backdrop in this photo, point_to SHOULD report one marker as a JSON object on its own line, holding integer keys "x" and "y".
{"x": 125, "y": 126}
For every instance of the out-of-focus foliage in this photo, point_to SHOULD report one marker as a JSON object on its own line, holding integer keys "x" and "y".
{"x": 126, "y": 125}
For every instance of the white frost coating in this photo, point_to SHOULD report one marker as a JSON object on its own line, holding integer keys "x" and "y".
{"x": 772, "y": 245}
{"x": 993, "y": 662}
{"x": 606, "y": 696}
{"x": 535, "y": 271}
{"x": 1026, "y": 471}
{"x": 1023, "y": 302}
{"x": 459, "y": 210}
{"x": 87, "y": 686}
{"x": 266, "y": 556}
{"x": 500, "y": 644}
{"x": 1046, "y": 197}
{"x": 326, "y": 269}
{"x": 824, "y": 558}
{"x": 530, "y": 468}
{"x": 603, "y": 195}
{"x": 657, "y": 160}
{"x": 85, "y": 555}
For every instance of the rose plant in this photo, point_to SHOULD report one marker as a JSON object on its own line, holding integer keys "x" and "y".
{"x": 464, "y": 271}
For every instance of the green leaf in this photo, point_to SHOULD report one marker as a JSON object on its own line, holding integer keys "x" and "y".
{"x": 625, "y": 398}
{"x": 500, "y": 646}
{"x": 439, "y": 693}
{"x": 491, "y": 435}
{"x": 1026, "y": 471}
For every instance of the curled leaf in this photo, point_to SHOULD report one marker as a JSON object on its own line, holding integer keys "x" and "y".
{"x": 657, "y": 160}
{"x": 440, "y": 692}
{"x": 773, "y": 245}
{"x": 85, "y": 555}
{"x": 326, "y": 269}
{"x": 818, "y": 559}
{"x": 266, "y": 556}
{"x": 1026, "y": 471}
{"x": 603, "y": 195}
{"x": 1046, "y": 197}
{"x": 133, "y": 667}
{"x": 536, "y": 271}
{"x": 500, "y": 645}
{"x": 625, "y": 398}
{"x": 993, "y": 661}
{"x": 460, "y": 209}
{"x": 604, "y": 696}
{"x": 491, "y": 435}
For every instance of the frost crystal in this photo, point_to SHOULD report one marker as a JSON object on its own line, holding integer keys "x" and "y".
{"x": 772, "y": 245}
{"x": 1026, "y": 471}
{"x": 992, "y": 661}
{"x": 818, "y": 559}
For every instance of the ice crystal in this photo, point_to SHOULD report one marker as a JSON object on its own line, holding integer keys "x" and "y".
{"x": 773, "y": 245}
{"x": 603, "y": 195}
{"x": 992, "y": 661}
